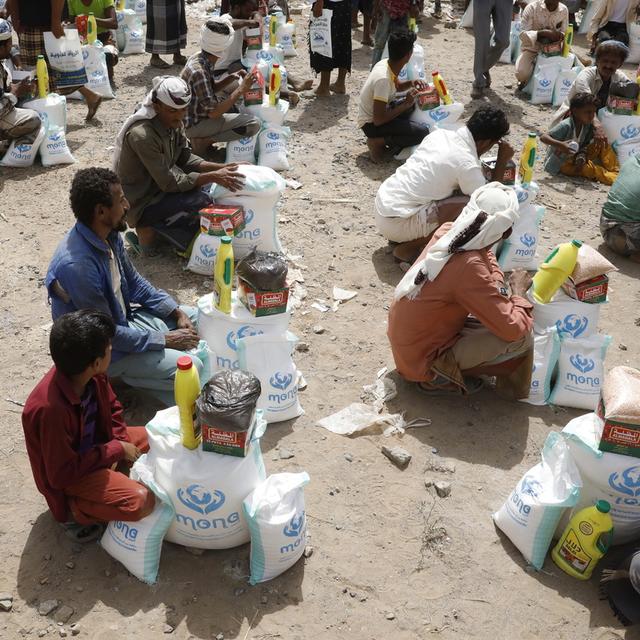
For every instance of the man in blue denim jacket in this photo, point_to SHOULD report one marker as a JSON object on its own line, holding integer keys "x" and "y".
{"x": 91, "y": 270}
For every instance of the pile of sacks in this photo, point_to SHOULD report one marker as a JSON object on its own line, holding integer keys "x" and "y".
{"x": 595, "y": 457}
{"x": 216, "y": 496}
{"x": 552, "y": 78}
{"x": 569, "y": 352}
{"x": 619, "y": 120}
{"x": 130, "y": 34}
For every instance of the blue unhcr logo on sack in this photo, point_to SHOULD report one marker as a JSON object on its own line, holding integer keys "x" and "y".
{"x": 281, "y": 380}
{"x": 294, "y": 527}
{"x": 198, "y": 499}
{"x": 581, "y": 363}
{"x": 573, "y": 325}
{"x": 627, "y": 482}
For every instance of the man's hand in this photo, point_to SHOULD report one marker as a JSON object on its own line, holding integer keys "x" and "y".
{"x": 598, "y": 132}
{"x": 182, "y": 320}
{"x": 505, "y": 151}
{"x": 420, "y": 85}
{"x": 410, "y": 98}
{"x": 318, "y": 6}
{"x": 23, "y": 88}
{"x": 57, "y": 29}
{"x": 246, "y": 83}
{"x": 181, "y": 339}
{"x": 131, "y": 452}
{"x": 228, "y": 177}
{"x": 520, "y": 281}
{"x": 565, "y": 148}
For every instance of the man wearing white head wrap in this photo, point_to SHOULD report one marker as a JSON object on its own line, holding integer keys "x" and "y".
{"x": 453, "y": 317}
{"x": 212, "y": 115}
{"x": 160, "y": 175}
{"x": 21, "y": 125}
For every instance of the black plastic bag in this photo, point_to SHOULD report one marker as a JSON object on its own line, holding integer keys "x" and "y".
{"x": 264, "y": 270}
{"x": 624, "y": 89}
{"x": 228, "y": 400}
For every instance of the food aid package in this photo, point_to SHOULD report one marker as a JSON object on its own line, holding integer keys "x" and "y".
{"x": 572, "y": 318}
{"x": 53, "y": 113}
{"x": 619, "y": 128}
{"x": 587, "y": 16}
{"x": 253, "y": 42}
{"x": 531, "y": 513}
{"x": 269, "y": 115}
{"x": 278, "y": 524}
{"x": 606, "y": 476}
{"x": 563, "y": 83}
{"x": 526, "y": 193}
{"x": 590, "y": 264}
{"x": 65, "y": 58}
{"x": 263, "y": 270}
{"x": 202, "y": 258}
{"x": 206, "y": 488}
{"x": 272, "y": 148}
{"x": 269, "y": 55}
{"x": 518, "y": 251}
{"x": 466, "y": 22}
{"x": 546, "y": 351}
{"x": 138, "y": 545}
{"x": 134, "y": 34}
{"x": 320, "y": 34}
{"x": 634, "y": 43}
{"x": 543, "y": 80}
{"x": 20, "y": 154}
{"x": 286, "y": 34}
{"x": 242, "y": 150}
{"x": 270, "y": 359}
{"x": 95, "y": 64}
{"x": 140, "y": 8}
{"x": 506, "y": 57}
{"x": 626, "y": 149}
{"x": 414, "y": 69}
{"x": 580, "y": 372}
{"x": 259, "y": 196}
{"x": 222, "y": 330}
{"x": 620, "y": 401}
{"x": 446, "y": 116}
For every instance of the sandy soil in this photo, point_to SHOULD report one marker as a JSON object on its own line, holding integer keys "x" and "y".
{"x": 391, "y": 559}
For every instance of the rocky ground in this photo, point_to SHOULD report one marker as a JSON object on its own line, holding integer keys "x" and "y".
{"x": 391, "y": 558}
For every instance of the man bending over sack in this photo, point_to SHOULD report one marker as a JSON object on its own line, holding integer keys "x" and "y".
{"x": 453, "y": 318}
{"x": 161, "y": 178}
{"x": 433, "y": 185}
{"x": 90, "y": 269}
{"x": 76, "y": 436}
{"x": 384, "y": 121}
{"x": 21, "y": 125}
{"x": 212, "y": 115}
{"x": 543, "y": 22}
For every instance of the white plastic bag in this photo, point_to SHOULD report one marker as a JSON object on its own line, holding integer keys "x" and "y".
{"x": 206, "y": 488}
{"x": 267, "y": 114}
{"x": 572, "y": 318}
{"x": 140, "y": 7}
{"x": 242, "y": 150}
{"x": 580, "y": 372}
{"x": 466, "y": 22}
{"x": 65, "y": 57}
{"x": 506, "y": 55}
{"x": 519, "y": 249}
{"x": 320, "y": 34}
{"x": 222, "y": 330}
{"x": 138, "y": 545}
{"x": 203, "y": 254}
{"x": 634, "y": 43}
{"x": 563, "y": 84}
{"x": 270, "y": 359}
{"x": 272, "y": 148}
{"x": 285, "y": 35}
{"x": 531, "y": 514}
{"x": 526, "y": 193}
{"x": 20, "y": 154}
{"x": 606, "y": 476}
{"x": 95, "y": 64}
{"x": 259, "y": 196}
{"x": 544, "y": 79}
{"x": 546, "y": 351}
{"x": 619, "y": 128}
{"x": 278, "y": 524}
{"x": 134, "y": 35}
{"x": 627, "y": 149}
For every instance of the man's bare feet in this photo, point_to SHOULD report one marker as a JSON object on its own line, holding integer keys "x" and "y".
{"x": 409, "y": 251}
{"x": 368, "y": 42}
{"x": 322, "y": 92}
{"x": 307, "y": 85}
{"x": 178, "y": 58}
{"x": 294, "y": 98}
{"x": 376, "y": 149}
{"x": 157, "y": 62}
{"x": 92, "y": 108}
{"x": 336, "y": 87}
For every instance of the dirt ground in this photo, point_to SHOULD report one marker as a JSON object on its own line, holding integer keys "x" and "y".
{"x": 391, "y": 560}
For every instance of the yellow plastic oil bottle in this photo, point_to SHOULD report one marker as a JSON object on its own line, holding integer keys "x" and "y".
{"x": 223, "y": 276}
{"x": 122, "y": 5}
{"x": 441, "y": 87}
{"x": 273, "y": 29}
{"x": 92, "y": 29}
{"x": 568, "y": 41}
{"x": 552, "y": 273}
{"x": 413, "y": 25}
{"x": 528, "y": 159}
{"x": 585, "y": 540}
{"x": 187, "y": 390}
{"x": 42, "y": 74}
{"x": 275, "y": 79}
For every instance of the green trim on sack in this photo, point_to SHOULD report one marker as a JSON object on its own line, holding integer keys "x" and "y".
{"x": 257, "y": 558}
{"x": 554, "y": 356}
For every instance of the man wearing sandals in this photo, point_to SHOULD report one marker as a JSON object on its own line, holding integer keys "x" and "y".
{"x": 453, "y": 318}
{"x": 91, "y": 270}
{"x": 75, "y": 434}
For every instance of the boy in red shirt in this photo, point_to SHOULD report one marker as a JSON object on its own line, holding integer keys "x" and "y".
{"x": 76, "y": 436}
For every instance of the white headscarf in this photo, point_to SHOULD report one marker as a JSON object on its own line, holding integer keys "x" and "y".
{"x": 500, "y": 206}
{"x": 172, "y": 91}
{"x": 216, "y": 43}
{"x": 5, "y": 30}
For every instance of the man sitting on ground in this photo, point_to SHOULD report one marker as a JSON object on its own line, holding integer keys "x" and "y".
{"x": 242, "y": 15}
{"x": 387, "y": 123}
{"x": 212, "y": 115}
{"x": 160, "y": 176}
{"x": 543, "y": 22}
{"x": 421, "y": 195}
{"x": 76, "y": 436}
{"x": 453, "y": 318}
{"x": 90, "y": 269}
{"x": 620, "y": 219}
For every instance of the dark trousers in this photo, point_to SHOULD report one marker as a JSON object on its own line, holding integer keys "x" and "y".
{"x": 613, "y": 31}
{"x": 171, "y": 204}
{"x": 400, "y": 132}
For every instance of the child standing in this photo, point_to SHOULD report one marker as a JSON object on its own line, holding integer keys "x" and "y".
{"x": 572, "y": 148}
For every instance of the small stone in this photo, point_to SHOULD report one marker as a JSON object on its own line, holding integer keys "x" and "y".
{"x": 353, "y": 594}
{"x": 42, "y": 633}
{"x": 75, "y": 629}
{"x": 302, "y": 347}
{"x": 238, "y": 592}
{"x": 344, "y": 590}
{"x": 428, "y": 483}
{"x": 440, "y": 465}
{"x": 79, "y": 589}
{"x": 194, "y": 551}
{"x": 404, "y": 266}
{"x": 63, "y": 633}
{"x": 318, "y": 329}
{"x": 308, "y": 551}
{"x": 399, "y": 456}
{"x": 264, "y": 599}
{"x": 363, "y": 599}
{"x": 321, "y": 221}
{"x": 44, "y": 580}
{"x": 47, "y": 556}
{"x": 6, "y": 604}
{"x": 167, "y": 628}
{"x": 285, "y": 454}
{"x": 622, "y": 347}
{"x": 220, "y": 636}
{"x": 348, "y": 457}
{"x": 390, "y": 616}
{"x": 63, "y": 613}
{"x": 107, "y": 573}
{"x": 443, "y": 489}
{"x": 434, "y": 451}
{"x": 70, "y": 565}
{"x": 46, "y": 607}
{"x": 338, "y": 527}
